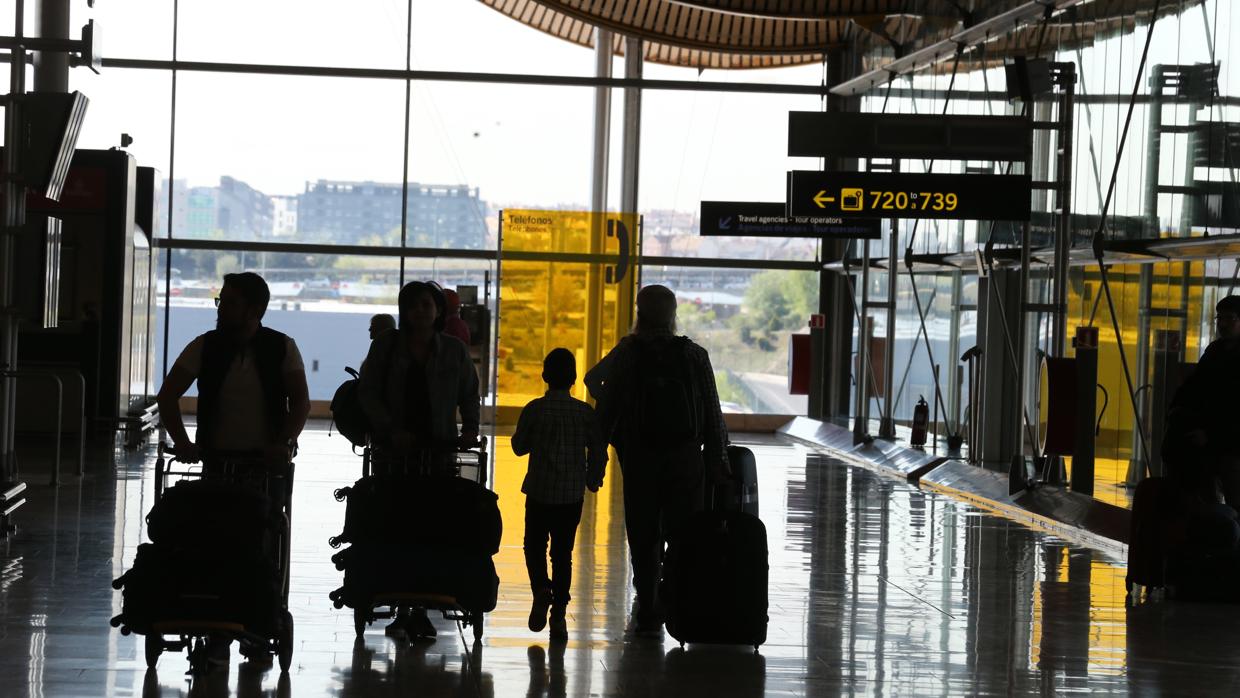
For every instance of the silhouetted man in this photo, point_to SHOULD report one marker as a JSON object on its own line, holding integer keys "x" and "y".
{"x": 252, "y": 393}
{"x": 658, "y": 404}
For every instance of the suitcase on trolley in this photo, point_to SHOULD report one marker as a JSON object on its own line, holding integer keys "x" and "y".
{"x": 714, "y": 586}
{"x": 401, "y": 509}
{"x": 374, "y": 569}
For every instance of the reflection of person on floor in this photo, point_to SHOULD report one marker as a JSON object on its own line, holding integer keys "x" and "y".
{"x": 1201, "y": 447}
{"x": 659, "y": 406}
{"x": 553, "y": 683}
{"x": 414, "y": 382}
{"x": 567, "y": 456}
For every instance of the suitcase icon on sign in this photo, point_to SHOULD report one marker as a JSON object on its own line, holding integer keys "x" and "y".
{"x": 852, "y": 199}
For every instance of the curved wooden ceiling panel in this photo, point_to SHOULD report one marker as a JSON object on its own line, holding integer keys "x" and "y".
{"x": 735, "y": 34}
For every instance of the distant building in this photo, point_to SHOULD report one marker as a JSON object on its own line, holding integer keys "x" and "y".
{"x": 234, "y": 209}
{"x": 283, "y": 216}
{"x": 243, "y": 212}
{"x": 439, "y": 216}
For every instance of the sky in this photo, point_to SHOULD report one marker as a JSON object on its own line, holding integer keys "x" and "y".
{"x": 527, "y": 145}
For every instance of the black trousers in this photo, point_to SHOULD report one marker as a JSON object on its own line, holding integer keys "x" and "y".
{"x": 661, "y": 491}
{"x": 557, "y": 522}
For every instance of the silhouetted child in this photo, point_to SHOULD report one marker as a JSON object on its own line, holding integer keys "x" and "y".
{"x": 567, "y": 456}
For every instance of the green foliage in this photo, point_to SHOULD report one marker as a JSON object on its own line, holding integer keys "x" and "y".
{"x": 776, "y": 303}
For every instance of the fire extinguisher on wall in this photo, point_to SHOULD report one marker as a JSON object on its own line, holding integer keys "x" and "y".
{"x": 921, "y": 419}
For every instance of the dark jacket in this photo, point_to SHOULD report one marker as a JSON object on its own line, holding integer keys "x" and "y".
{"x": 451, "y": 379}
{"x": 218, "y": 354}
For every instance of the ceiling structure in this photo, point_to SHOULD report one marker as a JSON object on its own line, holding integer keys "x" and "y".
{"x": 738, "y": 34}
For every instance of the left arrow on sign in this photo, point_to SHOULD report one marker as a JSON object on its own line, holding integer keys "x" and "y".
{"x": 822, "y": 199}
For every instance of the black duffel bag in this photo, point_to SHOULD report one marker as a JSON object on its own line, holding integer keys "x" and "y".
{"x": 193, "y": 584}
{"x": 208, "y": 513}
{"x": 405, "y": 509}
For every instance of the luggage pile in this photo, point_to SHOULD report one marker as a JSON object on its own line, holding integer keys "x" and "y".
{"x": 211, "y": 559}
{"x": 418, "y": 535}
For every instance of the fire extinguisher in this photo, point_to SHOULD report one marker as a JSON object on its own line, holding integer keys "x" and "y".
{"x": 921, "y": 418}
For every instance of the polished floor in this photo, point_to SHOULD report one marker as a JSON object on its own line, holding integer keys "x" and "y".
{"x": 877, "y": 588}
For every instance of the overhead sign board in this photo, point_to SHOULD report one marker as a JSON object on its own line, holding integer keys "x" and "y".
{"x": 761, "y": 219}
{"x": 928, "y": 136}
{"x": 896, "y": 195}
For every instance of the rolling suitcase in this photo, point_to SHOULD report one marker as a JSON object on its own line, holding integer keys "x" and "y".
{"x": 714, "y": 587}
{"x": 744, "y": 495}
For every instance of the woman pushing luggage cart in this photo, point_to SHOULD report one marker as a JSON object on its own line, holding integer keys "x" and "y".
{"x": 217, "y": 568}
{"x": 421, "y": 529}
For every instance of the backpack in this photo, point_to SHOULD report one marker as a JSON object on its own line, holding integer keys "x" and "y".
{"x": 347, "y": 415}
{"x": 664, "y": 412}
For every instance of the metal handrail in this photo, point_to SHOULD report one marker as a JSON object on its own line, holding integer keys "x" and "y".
{"x": 60, "y": 400}
{"x": 56, "y": 376}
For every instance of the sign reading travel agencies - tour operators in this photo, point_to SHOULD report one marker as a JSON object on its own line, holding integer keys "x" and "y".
{"x": 769, "y": 220}
{"x": 897, "y": 195}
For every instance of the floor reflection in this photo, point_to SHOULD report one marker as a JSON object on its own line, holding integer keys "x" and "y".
{"x": 876, "y": 588}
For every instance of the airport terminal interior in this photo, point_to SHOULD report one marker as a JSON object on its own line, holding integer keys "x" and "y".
{"x": 961, "y": 269}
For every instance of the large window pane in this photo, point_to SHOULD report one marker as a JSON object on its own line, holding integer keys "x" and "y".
{"x": 304, "y": 159}
{"x": 715, "y": 146}
{"x": 131, "y": 28}
{"x": 357, "y": 34}
{"x": 511, "y": 146}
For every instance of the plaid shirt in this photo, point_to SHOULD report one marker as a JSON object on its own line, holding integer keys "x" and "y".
{"x": 566, "y": 447}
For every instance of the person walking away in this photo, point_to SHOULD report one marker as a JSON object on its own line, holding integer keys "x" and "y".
{"x": 414, "y": 382}
{"x": 659, "y": 406}
{"x": 567, "y": 456}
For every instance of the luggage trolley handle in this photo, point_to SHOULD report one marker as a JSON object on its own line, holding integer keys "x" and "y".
{"x": 428, "y": 456}
{"x": 230, "y": 463}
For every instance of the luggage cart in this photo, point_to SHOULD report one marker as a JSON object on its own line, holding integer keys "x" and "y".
{"x": 247, "y": 469}
{"x": 449, "y": 460}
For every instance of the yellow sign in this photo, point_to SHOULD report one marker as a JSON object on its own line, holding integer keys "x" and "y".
{"x": 567, "y": 279}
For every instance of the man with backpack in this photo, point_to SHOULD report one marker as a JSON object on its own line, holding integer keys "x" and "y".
{"x": 659, "y": 406}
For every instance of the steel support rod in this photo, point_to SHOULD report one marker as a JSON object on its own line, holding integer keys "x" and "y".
{"x": 14, "y": 202}
{"x": 887, "y": 426}
{"x": 1063, "y": 201}
{"x": 60, "y": 402}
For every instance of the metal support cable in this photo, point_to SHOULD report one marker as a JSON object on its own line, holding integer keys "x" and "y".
{"x": 852, "y": 298}
{"x": 908, "y": 366}
{"x": 1100, "y": 238}
{"x": 908, "y": 263}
